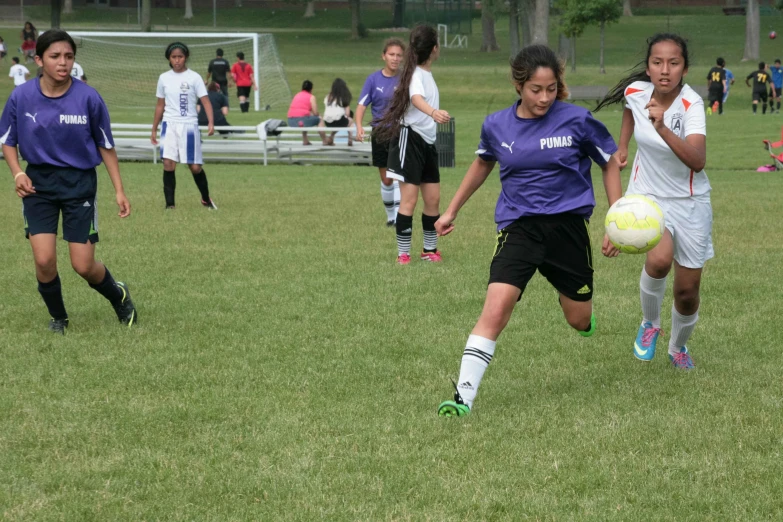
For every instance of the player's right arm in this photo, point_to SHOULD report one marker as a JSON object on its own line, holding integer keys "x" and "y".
{"x": 626, "y": 131}
{"x": 357, "y": 118}
{"x": 9, "y": 140}
{"x": 476, "y": 175}
{"x": 365, "y": 99}
{"x": 156, "y": 119}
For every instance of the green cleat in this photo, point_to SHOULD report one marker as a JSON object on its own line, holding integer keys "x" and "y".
{"x": 455, "y": 408}
{"x": 591, "y": 331}
{"x": 126, "y": 312}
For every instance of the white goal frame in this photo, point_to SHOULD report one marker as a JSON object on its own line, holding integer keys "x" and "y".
{"x": 252, "y": 36}
{"x": 459, "y": 41}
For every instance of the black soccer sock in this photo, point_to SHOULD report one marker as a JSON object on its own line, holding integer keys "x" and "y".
{"x": 169, "y": 184}
{"x": 404, "y": 233}
{"x": 52, "y": 293}
{"x": 430, "y": 235}
{"x": 108, "y": 288}
{"x": 764, "y": 108}
{"x": 201, "y": 183}
{"x": 755, "y": 106}
{"x": 244, "y": 106}
{"x": 778, "y": 106}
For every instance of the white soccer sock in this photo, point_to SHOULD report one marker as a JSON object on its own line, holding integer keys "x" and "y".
{"x": 475, "y": 359}
{"x": 396, "y": 197}
{"x": 682, "y": 328}
{"x": 387, "y": 195}
{"x": 651, "y": 291}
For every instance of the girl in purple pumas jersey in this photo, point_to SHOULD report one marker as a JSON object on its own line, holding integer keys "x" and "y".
{"x": 545, "y": 148}
{"x": 62, "y": 129}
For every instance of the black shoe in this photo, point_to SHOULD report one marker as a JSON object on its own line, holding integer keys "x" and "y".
{"x": 170, "y": 207}
{"x": 126, "y": 312}
{"x": 391, "y": 223}
{"x": 58, "y": 325}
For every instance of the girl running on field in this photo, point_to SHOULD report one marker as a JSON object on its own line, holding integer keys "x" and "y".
{"x": 666, "y": 117}
{"x": 178, "y": 90}
{"x": 545, "y": 148}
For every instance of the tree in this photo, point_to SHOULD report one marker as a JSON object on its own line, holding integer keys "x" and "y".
{"x": 573, "y": 20}
{"x": 56, "y": 9}
{"x": 541, "y": 31}
{"x": 604, "y": 12}
{"x": 528, "y": 10}
{"x": 146, "y": 15}
{"x": 627, "y": 8}
{"x": 188, "y": 9}
{"x": 752, "y": 24}
{"x": 489, "y": 41}
{"x": 357, "y": 31}
{"x": 310, "y": 10}
{"x": 67, "y": 6}
{"x": 513, "y": 26}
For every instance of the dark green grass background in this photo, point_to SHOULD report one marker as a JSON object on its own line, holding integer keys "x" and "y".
{"x": 284, "y": 368}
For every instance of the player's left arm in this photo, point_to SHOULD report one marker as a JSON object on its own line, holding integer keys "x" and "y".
{"x": 614, "y": 191}
{"x": 109, "y": 157}
{"x": 439, "y": 115}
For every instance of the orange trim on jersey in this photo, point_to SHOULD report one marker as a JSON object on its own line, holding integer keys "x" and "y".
{"x": 686, "y": 103}
{"x": 631, "y": 90}
{"x": 635, "y": 172}
{"x": 691, "y": 178}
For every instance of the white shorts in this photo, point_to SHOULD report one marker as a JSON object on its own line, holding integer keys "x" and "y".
{"x": 689, "y": 220}
{"x": 181, "y": 142}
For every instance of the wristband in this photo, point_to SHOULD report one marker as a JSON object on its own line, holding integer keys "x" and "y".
{"x": 433, "y": 112}
{"x": 18, "y": 174}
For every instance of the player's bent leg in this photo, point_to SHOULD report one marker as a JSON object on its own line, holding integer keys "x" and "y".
{"x": 578, "y": 315}
{"x": 44, "y": 255}
{"x": 480, "y": 348}
{"x": 658, "y": 261}
{"x": 49, "y": 286}
{"x": 685, "y": 314}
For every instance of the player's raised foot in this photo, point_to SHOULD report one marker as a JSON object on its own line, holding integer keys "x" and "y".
{"x": 210, "y": 205}
{"x": 403, "y": 259}
{"x": 646, "y": 341}
{"x": 432, "y": 257}
{"x": 682, "y": 359}
{"x": 58, "y": 326}
{"x": 391, "y": 223}
{"x": 126, "y": 312}
{"x": 591, "y": 330}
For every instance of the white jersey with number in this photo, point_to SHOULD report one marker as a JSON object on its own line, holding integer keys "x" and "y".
{"x": 77, "y": 71}
{"x": 423, "y": 83}
{"x": 656, "y": 170}
{"x": 18, "y": 72}
{"x": 181, "y": 90}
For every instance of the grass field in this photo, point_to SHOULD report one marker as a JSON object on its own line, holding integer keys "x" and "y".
{"x": 284, "y": 368}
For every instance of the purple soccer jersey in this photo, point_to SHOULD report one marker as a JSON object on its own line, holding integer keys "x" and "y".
{"x": 378, "y": 91}
{"x": 545, "y": 162}
{"x": 64, "y": 131}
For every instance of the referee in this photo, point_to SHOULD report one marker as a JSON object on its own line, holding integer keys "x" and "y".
{"x": 62, "y": 129}
{"x": 218, "y": 70}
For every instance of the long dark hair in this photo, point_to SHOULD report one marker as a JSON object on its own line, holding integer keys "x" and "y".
{"x": 50, "y": 37}
{"x": 423, "y": 40}
{"x": 339, "y": 93}
{"x": 528, "y": 60}
{"x": 639, "y": 73}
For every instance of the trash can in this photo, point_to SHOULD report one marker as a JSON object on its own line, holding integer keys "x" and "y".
{"x": 445, "y": 143}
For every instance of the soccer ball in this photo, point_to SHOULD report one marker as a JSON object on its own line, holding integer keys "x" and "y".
{"x": 635, "y": 224}
{"x": 773, "y": 35}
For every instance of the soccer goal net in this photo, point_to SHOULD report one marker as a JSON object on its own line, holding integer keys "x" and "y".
{"x": 124, "y": 67}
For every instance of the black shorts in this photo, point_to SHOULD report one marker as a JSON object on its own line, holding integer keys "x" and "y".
{"x": 775, "y": 94}
{"x": 243, "y": 91}
{"x": 412, "y": 160}
{"x": 715, "y": 95}
{"x": 380, "y": 152}
{"x": 556, "y": 245}
{"x": 341, "y": 123}
{"x": 760, "y": 96}
{"x": 67, "y": 190}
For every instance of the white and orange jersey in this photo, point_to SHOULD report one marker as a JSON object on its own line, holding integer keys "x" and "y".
{"x": 656, "y": 170}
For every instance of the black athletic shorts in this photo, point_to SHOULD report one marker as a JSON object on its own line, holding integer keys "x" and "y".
{"x": 341, "y": 123}
{"x": 760, "y": 96}
{"x": 411, "y": 159}
{"x": 556, "y": 245}
{"x": 715, "y": 95}
{"x": 67, "y": 190}
{"x": 380, "y": 152}
{"x": 243, "y": 91}
{"x": 775, "y": 94}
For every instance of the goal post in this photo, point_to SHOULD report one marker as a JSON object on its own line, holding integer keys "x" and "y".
{"x": 124, "y": 66}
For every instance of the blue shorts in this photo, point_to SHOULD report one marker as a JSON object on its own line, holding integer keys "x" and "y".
{"x": 305, "y": 121}
{"x": 62, "y": 189}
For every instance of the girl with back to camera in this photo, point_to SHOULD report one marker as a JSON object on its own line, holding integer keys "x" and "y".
{"x": 377, "y": 92}
{"x": 545, "y": 148}
{"x": 62, "y": 129}
{"x": 411, "y": 124}
{"x": 178, "y": 90}
{"x": 337, "y": 109}
{"x": 667, "y": 119}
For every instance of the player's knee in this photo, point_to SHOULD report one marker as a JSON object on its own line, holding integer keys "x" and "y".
{"x": 578, "y": 321}
{"x": 83, "y": 267}
{"x": 46, "y": 266}
{"x": 194, "y": 169}
{"x": 687, "y": 296}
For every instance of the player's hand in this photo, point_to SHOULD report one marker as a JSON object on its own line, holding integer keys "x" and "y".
{"x": 655, "y": 113}
{"x": 124, "y": 204}
{"x": 210, "y": 129}
{"x": 255, "y": 87}
{"x": 622, "y": 157}
{"x": 359, "y": 133}
{"x": 445, "y": 224}
{"x": 154, "y": 138}
{"x": 608, "y": 249}
{"x": 24, "y": 186}
{"x": 441, "y": 116}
